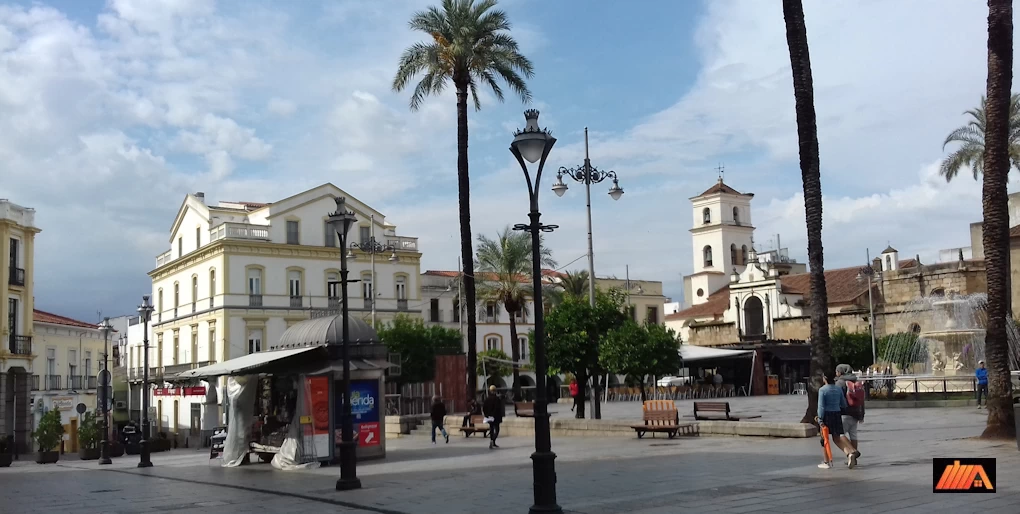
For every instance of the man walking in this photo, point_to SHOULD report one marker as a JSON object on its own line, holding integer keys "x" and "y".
{"x": 493, "y": 410}
{"x": 855, "y": 396}
{"x": 438, "y": 419}
{"x": 981, "y": 373}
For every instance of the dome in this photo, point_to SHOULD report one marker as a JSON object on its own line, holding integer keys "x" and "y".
{"x": 326, "y": 331}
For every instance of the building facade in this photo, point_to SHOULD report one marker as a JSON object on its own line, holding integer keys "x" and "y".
{"x": 17, "y": 280}
{"x": 238, "y": 274}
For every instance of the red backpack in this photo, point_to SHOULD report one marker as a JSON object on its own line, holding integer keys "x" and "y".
{"x": 854, "y": 394}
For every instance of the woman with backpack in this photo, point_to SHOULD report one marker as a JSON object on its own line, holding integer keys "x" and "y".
{"x": 855, "y": 394}
{"x": 831, "y": 403}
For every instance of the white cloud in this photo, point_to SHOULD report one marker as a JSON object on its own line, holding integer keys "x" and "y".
{"x": 281, "y": 107}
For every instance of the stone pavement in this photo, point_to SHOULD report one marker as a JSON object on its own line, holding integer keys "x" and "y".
{"x": 595, "y": 475}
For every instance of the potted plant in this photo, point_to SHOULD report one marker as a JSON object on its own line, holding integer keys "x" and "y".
{"x": 88, "y": 437}
{"x": 5, "y": 452}
{"x": 47, "y": 436}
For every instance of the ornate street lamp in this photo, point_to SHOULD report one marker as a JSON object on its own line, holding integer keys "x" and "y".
{"x": 371, "y": 247}
{"x": 145, "y": 313}
{"x": 533, "y": 144}
{"x": 342, "y": 220}
{"x": 104, "y": 399}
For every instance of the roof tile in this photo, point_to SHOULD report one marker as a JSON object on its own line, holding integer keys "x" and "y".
{"x": 56, "y": 319}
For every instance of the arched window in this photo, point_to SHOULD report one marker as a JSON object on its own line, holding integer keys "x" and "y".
{"x": 888, "y": 262}
{"x": 493, "y": 343}
{"x": 366, "y": 286}
{"x": 736, "y": 215}
{"x": 212, "y": 286}
{"x": 706, "y": 215}
{"x": 938, "y": 291}
{"x": 754, "y": 317}
{"x": 915, "y": 328}
{"x": 707, "y": 254}
{"x": 177, "y": 297}
{"x": 743, "y": 254}
{"x": 194, "y": 292}
{"x": 733, "y": 254}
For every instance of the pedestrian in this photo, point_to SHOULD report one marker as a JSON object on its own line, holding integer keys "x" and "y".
{"x": 494, "y": 410}
{"x": 855, "y": 394}
{"x": 438, "y": 418}
{"x": 574, "y": 395}
{"x": 474, "y": 409}
{"x": 717, "y": 380}
{"x": 981, "y": 373}
{"x": 831, "y": 402}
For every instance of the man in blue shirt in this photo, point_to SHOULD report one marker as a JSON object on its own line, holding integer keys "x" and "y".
{"x": 981, "y": 373}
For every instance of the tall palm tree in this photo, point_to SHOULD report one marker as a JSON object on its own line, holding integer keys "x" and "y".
{"x": 575, "y": 283}
{"x": 972, "y": 137}
{"x": 508, "y": 260}
{"x": 807, "y": 134}
{"x": 995, "y": 226}
{"x": 468, "y": 44}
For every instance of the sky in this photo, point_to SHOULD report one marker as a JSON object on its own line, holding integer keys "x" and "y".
{"x": 111, "y": 111}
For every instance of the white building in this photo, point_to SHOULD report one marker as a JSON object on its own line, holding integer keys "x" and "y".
{"x": 722, "y": 238}
{"x": 238, "y": 274}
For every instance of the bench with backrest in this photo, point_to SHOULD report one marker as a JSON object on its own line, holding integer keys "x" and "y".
{"x": 524, "y": 409}
{"x": 717, "y": 411}
{"x": 476, "y": 426}
{"x": 662, "y": 416}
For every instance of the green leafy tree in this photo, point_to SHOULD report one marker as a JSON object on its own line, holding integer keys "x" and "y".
{"x": 641, "y": 350}
{"x": 507, "y": 259}
{"x": 573, "y": 331}
{"x": 88, "y": 431}
{"x": 971, "y": 138}
{"x": 468, "y": 44}
{"x": 418, "y": 344}
{"x": 498, "y": 368}
{"x": 853, "y": 348}
{"x": 49, "y": 431}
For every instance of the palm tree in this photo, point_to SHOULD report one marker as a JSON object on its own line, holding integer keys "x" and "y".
{"x": 972, "y": 137}
{"x": 995, "y": 226}
{"x": 467, "y": 45}
{"x": 508, "y": 260}
{"x": 807, "y": 134}
{"x": 575, "y": 283}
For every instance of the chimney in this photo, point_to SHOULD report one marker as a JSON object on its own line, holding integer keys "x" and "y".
{"x": 201, "y": 196}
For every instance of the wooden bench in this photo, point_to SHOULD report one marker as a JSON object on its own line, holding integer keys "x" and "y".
{"x": 662, "y": 416}
{"x": 524, "y": 409}
{"x": 476, "y": 426}
{"x": 716, "y": 410}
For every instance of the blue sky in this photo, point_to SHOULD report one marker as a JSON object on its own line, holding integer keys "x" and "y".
{"x": 116, "y": 109}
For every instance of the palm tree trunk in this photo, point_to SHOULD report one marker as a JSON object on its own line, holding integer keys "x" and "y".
{"x": 807, "y": 134}
{"x": 515, "y": 355}
{"x": 995, "y": 229}
{"x": 467, "y": 252}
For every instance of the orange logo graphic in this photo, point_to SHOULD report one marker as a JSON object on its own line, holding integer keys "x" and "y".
{"x": 966, "y": 477}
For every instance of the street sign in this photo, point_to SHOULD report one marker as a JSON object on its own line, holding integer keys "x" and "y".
{"x": 104, "y": 378}
{"x": 81, "y": 408}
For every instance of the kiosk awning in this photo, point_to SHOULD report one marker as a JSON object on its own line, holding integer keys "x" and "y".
{"x": 255, "y": 363}
{"x": 692, "y": 353}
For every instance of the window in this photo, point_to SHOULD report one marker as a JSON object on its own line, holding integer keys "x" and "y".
{"x": 364, "y": 234}
{"x": 434, "y": 310}
{"x": 701, "y": 292}
{"x": 198, "y": 237}
{"x": 180, "y": 246}
{"x": 456, "y": 310}
{"x": 72, "y": 367}
{"x": 332, "y": 285}
{"x": 194, "y": 290}
{"x": 212, "y": 343}
{"x": 294, "y": 287}
{"x": 87, "y": 369}
{"x": 888, "y": 262}
{"x": 736, "y": 215}
{"x": 492, "y": 343}
{"x": 743, "y": 254}
{"x": 733, "y": 254}
{"x": 254, "y": 341}
{"x": 177, "y": 297}
{"x": 12, "y": 315}
{"x": 632, "y": 312}
{"x": 177, "y": 347}
{"x": 707, "y": 254}
{"x": 293, "y": 234}
{"x": 51, "y": 361}
{"x": 522, "y": 343}
{"x": 520, "y": 316}
{"x": 366, "y": 286}
{"x": 212, "y": 286}
{"x": 652, "y": 314}
{"x": 491, "y": 312}
{"x": 14, "y": 253}
{"x": 159, "y": 350}
{"x": 159, "y": 308}
{"x": 706, "y": 215}
{"x": 254, "y": 281}
{"x": 329, "y": 235}
{"x": 194, "y": 344}
{"x": 401, "y": 288}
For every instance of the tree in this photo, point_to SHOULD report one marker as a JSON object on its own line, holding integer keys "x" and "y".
{"x": 573, "y": 330}
{"x": 575, "y": 283}
{"x": 418, "y": 344}
{"x": 807, "y": 135}
{"x": 468, "y": 44}
{"x": 508, "y": 259}
{"x": 641, "y": 350}
{"x": 995, "y": 225}
{"x": 493, "y": 363}
{"x": 853, "y": 348}
{"x": 971, "y": 153}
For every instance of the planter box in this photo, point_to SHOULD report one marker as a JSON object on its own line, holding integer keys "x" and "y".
{"x": 88, "y": 453}
{"x": 47, "y": 457}
{"x": 5, "y": 460}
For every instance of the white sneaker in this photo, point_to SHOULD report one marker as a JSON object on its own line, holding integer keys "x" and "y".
{"x": 851, "y": 461}
{"x": 825, "y": 465}
{"x": 433, "y": 443}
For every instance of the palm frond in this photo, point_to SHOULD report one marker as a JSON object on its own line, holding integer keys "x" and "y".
{"x": 967, "y": 155}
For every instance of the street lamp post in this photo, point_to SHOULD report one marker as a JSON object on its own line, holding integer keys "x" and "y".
{"x": 533, "y": 144}
{"x": 867, "y": 273}
{"x": 372, "y": 247}
{"x": 342, "y": 220}
{"x": 145, "y": 312}
{"x": 588, "y": 175}
{"x": 104, "y": 400}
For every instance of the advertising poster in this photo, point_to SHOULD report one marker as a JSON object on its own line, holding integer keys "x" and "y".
{"x": 317, "y": 398}
{"x": 365, "y": 406}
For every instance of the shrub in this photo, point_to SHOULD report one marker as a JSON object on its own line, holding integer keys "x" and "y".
{"x": 49, "y": 432}
{"x": 88, "y": 431}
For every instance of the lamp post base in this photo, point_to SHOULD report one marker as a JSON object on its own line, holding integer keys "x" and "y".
{"x": 348, "y": 467}
{"x": 545, "y": 483}
{"x": 145, "y": 461}
{"x": 104, "y": 452}
{"x": 348, "y": 484}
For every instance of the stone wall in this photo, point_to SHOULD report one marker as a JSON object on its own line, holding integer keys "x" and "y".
{"x": 714, "y": 334}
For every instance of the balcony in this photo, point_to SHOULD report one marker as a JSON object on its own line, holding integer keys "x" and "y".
{"x": 20, "y": 345}
{"x": 75, "y": 382}
{"x": 295, "y": 301}
{"x": 52, "y": 382}
{"x": 401, "y": 304}
{"x": 164, "y": 258}
{"x": 407, "y": 244}
{"x": 175, "y": 369}
{"x": 17, "y": 277}
{"x": 239, "y": 231}
{"x": 254, "y": 300}
{"x": 92, "y": 383}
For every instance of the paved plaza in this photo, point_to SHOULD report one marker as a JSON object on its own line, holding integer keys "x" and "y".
{"x": 595, "y": 475}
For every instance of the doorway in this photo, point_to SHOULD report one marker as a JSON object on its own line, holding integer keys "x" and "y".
{"x": 74, "y": 436}
{"x": 196, "y": 419}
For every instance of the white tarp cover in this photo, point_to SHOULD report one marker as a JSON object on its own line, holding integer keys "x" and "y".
{"x": 292, "y": 453}
{"x": 241, "y": 392}
{"x": 692, "y": 353}
{"x": 243, "y": 363}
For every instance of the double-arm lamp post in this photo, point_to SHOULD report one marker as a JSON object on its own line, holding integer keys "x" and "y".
{"x": 104, "y": 393}
{"x": 532, "y": 144}
{"x": 342, "y": 220}
{"x": 145, "y": 313}
{"x": 371, "y": 247}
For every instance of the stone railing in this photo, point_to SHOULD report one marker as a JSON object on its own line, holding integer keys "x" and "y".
{"x": 402, "y": 243}
{"x": 239, "y": 231}
{"x": 164, "y": 258}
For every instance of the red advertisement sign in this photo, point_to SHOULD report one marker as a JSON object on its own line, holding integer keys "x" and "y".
{"x": 179, "y": 391}
{"x": 368, "y": 434}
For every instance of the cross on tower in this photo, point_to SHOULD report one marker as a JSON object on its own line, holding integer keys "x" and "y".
{"x": 722, "y": 171}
